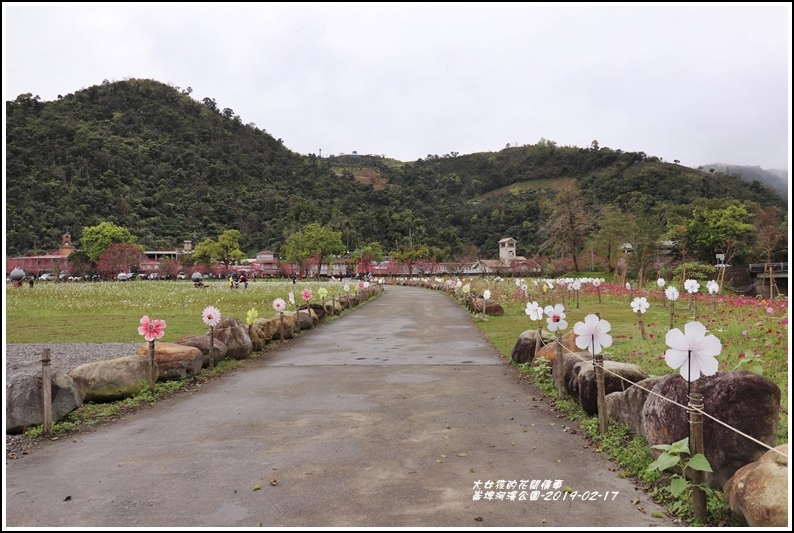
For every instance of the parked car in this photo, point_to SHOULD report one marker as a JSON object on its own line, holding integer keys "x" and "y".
{"x": 47, "y": 277}
{"x": 125, "y": 276}
{"x": 181, "y": 275}
{"x": 154, "y": 275}
{"x": 64, "y": 275}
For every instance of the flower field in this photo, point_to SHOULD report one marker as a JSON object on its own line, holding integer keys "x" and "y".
{"x": 754, "y": 333}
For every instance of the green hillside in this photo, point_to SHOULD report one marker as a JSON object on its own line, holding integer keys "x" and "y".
{"x": 151, "y": 158}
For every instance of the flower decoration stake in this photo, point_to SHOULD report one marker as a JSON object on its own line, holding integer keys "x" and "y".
{"x": 306, "y": 295}
{"x": 713, "y": 288}
{"x": 639, "y": 305}
{"x": 555, "y": 322}
{"x": 691, "y": 286}
{"x": 485, "y": 296}
{"x": 535, "y": 312}
{"x": 211, "y": 317}
{"x": 694, "y": 353}
{"x": 597, "y": 285}
{"x": 672, "y": 295}
{"x": 592, "y": 335}
{"x": 322, "y": 292}
{"x": 577, "y": 285}
{"x": 250, "y": 318}
{"x": 151, "y": 330}
{"x": 661, "y": 283}
{"x": 279, "y": 305}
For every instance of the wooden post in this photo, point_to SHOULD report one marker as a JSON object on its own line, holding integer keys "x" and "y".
{"x": 695, "y": 447}
{"x": 672, "y": 311}
{"x": 484, "y": 301}
{"x": 151, "y": 366}
{"x": 642, "y": 324}
{"x": 603, "y": 421}
{"x": 46, "y": 391}
{"x": 281, "y": 331}
{"x": 212, "y": 347}
{"x": 558, "y": 369}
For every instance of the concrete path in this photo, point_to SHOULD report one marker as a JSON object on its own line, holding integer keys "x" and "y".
{"x": 394, "y": 415}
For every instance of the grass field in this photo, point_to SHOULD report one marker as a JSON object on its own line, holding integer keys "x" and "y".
{"x": 111, "y": 311}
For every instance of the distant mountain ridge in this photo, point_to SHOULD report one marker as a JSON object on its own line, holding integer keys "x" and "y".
{"x": 775, "y": 179}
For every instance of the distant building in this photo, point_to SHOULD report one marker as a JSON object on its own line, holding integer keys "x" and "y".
{"x": 39, "y": 264}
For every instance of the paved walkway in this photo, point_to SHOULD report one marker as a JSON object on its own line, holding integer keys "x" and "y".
{"x": 389, "y": 416}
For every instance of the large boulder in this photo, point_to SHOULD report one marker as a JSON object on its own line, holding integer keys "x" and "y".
{"x": 175, "y": 361}
{"x": 258, "y": 334}
{"x": 492, "y": 308}
{"x": 113, "y": 379}
{"x": 282, "y": 327}
{"x": 549, "y": 350}
{"x": 320, "y": 311}
{"x": 526, "y": 346}
{"x": 24, "y": 407}
{"x": 759, "y": 492}
{"x": 202, "y": 342}
{"x": 306, "y": 319}
{"x": 626, "y": 406}
{"x": 234, "y": 334}
{"x": 617, "y": 377}
{"x": 746, "y": 402}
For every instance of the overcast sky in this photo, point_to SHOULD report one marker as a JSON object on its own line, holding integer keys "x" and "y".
{"x": 696, "y": 83}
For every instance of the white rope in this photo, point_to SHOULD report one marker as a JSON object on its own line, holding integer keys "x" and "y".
{"x": 686, "y": 408}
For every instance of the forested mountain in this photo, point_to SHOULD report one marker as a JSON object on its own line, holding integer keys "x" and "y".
{"x": 775, "y": 179}
{"x": 150, "y": 158}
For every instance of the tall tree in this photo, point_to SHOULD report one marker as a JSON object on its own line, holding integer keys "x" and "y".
{"x": 120, "y": 257}
{"x": 723, "y": 230}
{"x": 97, "y": 239}
{"x": 567, "y": 223}
{"x": 314, "y": 240}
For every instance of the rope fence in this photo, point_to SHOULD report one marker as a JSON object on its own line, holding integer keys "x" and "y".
{"x": 686, "y": 408}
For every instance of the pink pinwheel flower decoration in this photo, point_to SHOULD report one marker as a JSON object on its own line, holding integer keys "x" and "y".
{"x": 279, "y": 305}
{"x": 692, "y": 351}
{"x": 306, "y": 294}
{"x": 361, "y": 285}
{"x": 592, "y": 334}
{"x": 211, "y": 316}
{"x": 556, "y": 317}
{"x": 151, "y": 329}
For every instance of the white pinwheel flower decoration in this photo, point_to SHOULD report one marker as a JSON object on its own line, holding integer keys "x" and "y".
{"x": 556, "y": 317}
{"x": 712, "y": 286}
{"x": 577, "y": 285}
{"x": 486, "y": 294}
{"x": 592, "y": 334}
{"x": 640, "y": 304}
{"x": 279, "y": 305}
{"x": 671, "y": 293}
{"x": 660, "y": 282}
{"x": 692, "y": 351}
{"x": 211, "y": 316}
{"x": 596, "y": 282}
{"x": 292, "y": 298}
{"x": 691, "y": 286}
{"x": 534, "y": 310}
{"x": 628, "y": 286}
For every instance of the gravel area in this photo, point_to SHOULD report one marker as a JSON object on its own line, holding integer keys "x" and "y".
{"x": 64, "y": 356}
{"x": 67, "y": 356}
